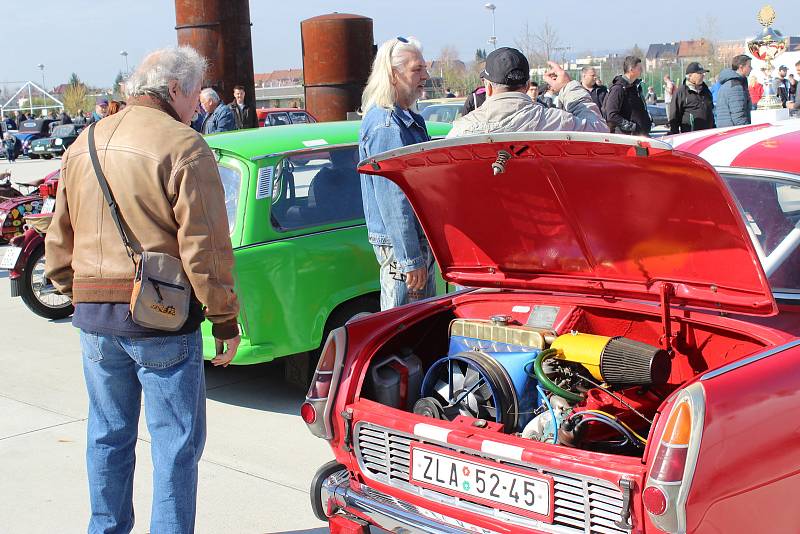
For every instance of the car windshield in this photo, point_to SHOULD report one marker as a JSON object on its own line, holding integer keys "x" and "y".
{"x": 300, "y": 117}
{"x": 64, "y": 130}
{"x": 231, "y": 181}
{"x": 278, "y": 119}
{"x": 770, "y": 207}
{"x": 443, "y": 113}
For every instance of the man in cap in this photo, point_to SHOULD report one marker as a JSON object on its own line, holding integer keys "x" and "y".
{"x": 796, "y": 103}
{"x": 692, "y": 107}
{"x": 100, "y": 109}
{"x": 508, "y": 108}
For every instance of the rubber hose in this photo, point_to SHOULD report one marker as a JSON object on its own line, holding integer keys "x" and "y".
{"x": 546, "y": 382}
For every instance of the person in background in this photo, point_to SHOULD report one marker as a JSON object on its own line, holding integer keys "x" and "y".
{"x": 80, "y": 117}
{"x": 693, "y": 106}
{"x": 651, "y": 97}
{"x": 796, "y": 103}
{"x": 547, "y": 97}
{"x": 533, "y": 91}
{"x": 219, "y": 117}
{"x": 100, "y": 110}
{"x": 10, "y": 123}
{"x": 407, "y": 267}
{"x": 198, "y": 117}
{"x": 166, "y": 182}
{"x": 113, "y": 107}
{"x": 589, "y": 82}
{"x": 64, "y": 117}
{"x": 792, "y": 88}
{"x": 10, "y": 147}
{"x": 669, "y": 91}
{"x": 624, "y": 107}
{"x": 449, "y": 93}
{"x": 755, "y": 89}
{"x": 474, "y": 100}
{"x": 733, "y": 100}
{"x": 508, "y": 108}
{"x": 782, "y": 83}
{"x": 243, "y": 112}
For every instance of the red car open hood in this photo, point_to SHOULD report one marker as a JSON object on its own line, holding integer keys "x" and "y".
{"x": 588, "y": 213}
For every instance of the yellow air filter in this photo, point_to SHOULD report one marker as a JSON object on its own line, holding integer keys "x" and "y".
{"x": 616, "y": 360}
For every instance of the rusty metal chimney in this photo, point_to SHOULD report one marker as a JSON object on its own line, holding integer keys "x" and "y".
{"x": 220, "y": 31}
{"x": 338, "y": 50}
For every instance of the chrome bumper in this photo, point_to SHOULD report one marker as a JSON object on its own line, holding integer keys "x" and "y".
{"x": 386, "y": 512}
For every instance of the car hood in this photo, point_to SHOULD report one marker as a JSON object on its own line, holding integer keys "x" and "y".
{"x": 596, "y": 214}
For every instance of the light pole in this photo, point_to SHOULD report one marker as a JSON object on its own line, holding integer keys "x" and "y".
{"x": 124, "y": 54}
{"x": 493, "y": 39}
{"x": 40, "y": 66}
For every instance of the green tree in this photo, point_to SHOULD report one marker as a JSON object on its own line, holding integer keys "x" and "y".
{"x": 117, "y": 90}
{"x": 74, "y": 80}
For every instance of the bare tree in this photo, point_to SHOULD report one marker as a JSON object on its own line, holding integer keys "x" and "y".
{"x": 708, "y": 34}
{"x": 637, "y": 52}
{"x": 547, "y": 42}
{"x": 526, "y": 43}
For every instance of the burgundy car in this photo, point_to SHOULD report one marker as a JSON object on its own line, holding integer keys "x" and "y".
{"x": 622, "y": 357}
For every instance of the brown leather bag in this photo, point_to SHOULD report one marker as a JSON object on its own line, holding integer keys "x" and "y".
{"x": 161, "y": 290}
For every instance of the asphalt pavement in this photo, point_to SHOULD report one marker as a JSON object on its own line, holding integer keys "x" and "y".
{"x": 258, "y": 461}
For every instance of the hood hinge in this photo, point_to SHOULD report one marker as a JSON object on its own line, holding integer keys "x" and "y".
{"x": 667, "y": 291}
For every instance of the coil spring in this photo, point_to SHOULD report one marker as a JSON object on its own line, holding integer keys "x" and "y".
{"x": 499, "y": 166}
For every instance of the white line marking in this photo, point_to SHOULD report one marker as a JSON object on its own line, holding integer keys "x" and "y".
{"x": 435, "y": 433}
{"x": 723, "y": 153}
{"x": 509, "y": 452}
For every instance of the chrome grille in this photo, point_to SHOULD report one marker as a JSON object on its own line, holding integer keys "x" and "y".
{"x": 583, "y": 505}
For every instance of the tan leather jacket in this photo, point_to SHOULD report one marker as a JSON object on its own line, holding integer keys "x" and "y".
{"x": 170, "y": 196}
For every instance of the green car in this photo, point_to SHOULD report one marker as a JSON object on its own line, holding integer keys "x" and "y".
{"x": 303, "y": 262}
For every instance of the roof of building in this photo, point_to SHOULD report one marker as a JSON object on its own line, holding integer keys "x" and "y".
{"x": 694, "y": 48}
{"x": 662, "y": 50}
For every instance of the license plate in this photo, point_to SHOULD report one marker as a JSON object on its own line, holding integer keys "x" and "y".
{"x": 48, "y": 205}
{"x": 504, "y": 488}
{"x": 10, "y": 257}
{"x": 38, "y": 149}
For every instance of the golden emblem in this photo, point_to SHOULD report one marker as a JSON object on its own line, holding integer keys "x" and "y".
{"x": 766, "y": 15}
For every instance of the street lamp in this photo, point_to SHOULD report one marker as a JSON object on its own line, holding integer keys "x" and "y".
{"x": 124, "y": 54}
{"x": 40, "y": 66}
{"x": 493, "y": 39}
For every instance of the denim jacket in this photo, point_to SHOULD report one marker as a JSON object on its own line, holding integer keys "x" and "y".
{"x": 390, "y": 219}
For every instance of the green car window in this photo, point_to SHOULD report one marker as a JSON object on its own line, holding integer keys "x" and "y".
{"x": 231, "y": 181}
{"x": 317, "y": 188}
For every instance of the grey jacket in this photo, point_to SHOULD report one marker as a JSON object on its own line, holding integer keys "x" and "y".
{"x": 516, "y": 112}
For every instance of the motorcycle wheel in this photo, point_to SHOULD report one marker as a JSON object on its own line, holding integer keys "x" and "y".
{"x": 38, "y": 293}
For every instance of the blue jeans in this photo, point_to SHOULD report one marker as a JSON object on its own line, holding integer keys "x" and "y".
{"x": 169, "y": 370}
{"x": 394, "y": 291}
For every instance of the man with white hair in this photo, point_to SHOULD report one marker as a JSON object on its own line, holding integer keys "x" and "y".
{"x": 168, "y": 192}
{"x": 397, "y": 81}
{"x": 219, "y": 117}
{"x": 508, "y": 108}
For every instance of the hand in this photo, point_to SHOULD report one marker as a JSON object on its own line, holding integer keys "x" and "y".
{"x": 416, "y": 279}
{"x": 557, "y": 77}
{"x": 226, "y": 350}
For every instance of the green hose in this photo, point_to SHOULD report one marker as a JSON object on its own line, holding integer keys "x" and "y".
{"x": 546, "y": 382}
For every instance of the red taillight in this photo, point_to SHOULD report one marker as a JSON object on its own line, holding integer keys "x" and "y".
{"x": 670, "y": 458}
{"x": 654, "y": 500}
{"x": 321, "y": 383}
{"x": 308, "y": 413}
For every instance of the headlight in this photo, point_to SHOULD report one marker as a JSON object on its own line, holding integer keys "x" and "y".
{"x": 59, "y": 141}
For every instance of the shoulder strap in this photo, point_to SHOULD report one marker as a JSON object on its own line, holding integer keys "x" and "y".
{"x": 112, "y": 204}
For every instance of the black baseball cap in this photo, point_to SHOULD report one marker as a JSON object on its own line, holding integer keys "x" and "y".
{"x": 694, "y": 66}
{"x": 507, "y": 66}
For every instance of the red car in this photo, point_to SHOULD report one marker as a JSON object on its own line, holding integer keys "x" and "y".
{"x": 283, "y": 116}
{"x": 625, "y": 362}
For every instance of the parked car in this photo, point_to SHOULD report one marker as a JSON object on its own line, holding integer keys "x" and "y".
{"x": 658, "y": 113}
{"x": 303, "y": 261}
{"x": 283, "y": 116}
{"x": 422, "y": 104}
{"x": 62, "y": 137}
{"x": 31, "y": 130}
{"x": 443, "y": 112}
{"x": 626, "y": 362}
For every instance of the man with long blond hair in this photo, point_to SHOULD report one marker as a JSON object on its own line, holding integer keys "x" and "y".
{"x": 397, "y": 81}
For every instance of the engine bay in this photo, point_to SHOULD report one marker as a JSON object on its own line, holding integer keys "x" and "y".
{"x": 569, "y": 382}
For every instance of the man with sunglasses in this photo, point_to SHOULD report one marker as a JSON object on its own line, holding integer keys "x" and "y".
{"x": 397, "y": 81}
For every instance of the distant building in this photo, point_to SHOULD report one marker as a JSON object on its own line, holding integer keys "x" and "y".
{"x": 280, "y": 78}
{"x": 661, "y": 54}
{"x": 695, "y": 50}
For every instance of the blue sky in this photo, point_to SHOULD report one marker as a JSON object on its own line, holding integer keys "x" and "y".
{"x": 86, "y": 36}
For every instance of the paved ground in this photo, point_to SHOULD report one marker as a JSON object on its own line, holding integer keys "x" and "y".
{"x": 258, "y": 461}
